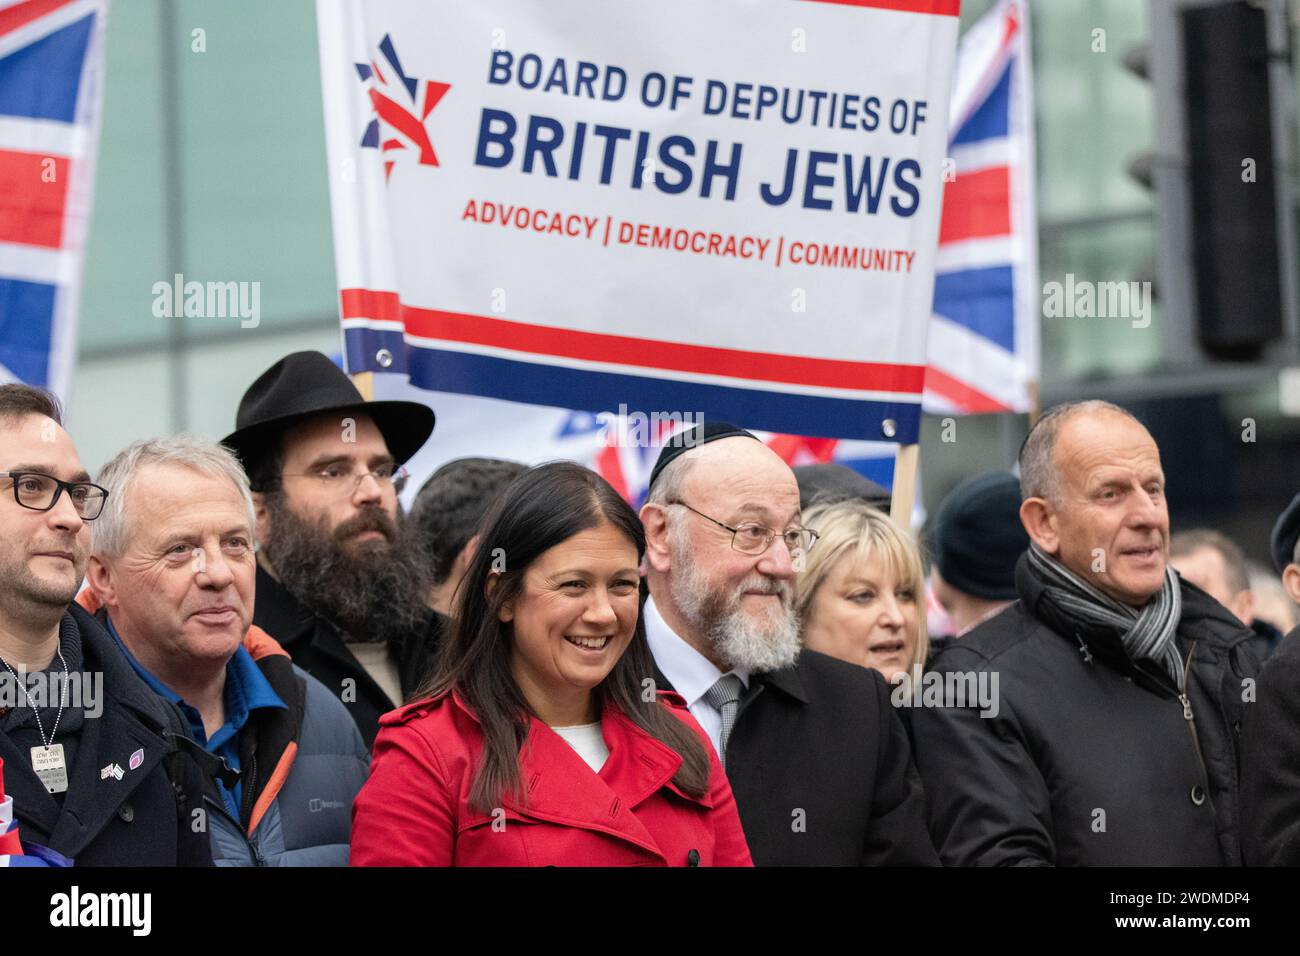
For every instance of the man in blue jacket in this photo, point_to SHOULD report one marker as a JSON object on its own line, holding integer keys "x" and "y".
{"x": 172, "y": 571}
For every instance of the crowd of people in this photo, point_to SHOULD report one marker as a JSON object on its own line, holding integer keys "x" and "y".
{"x": 755, "y": 669}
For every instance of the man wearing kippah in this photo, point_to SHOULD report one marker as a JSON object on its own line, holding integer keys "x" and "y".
{"x": 817, "y": 758}
{"x": 1270, "y": 760}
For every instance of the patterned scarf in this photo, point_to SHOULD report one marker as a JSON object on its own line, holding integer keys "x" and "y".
{"x": 1147, "y": 633}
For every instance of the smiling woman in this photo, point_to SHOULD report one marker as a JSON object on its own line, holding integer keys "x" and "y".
{"x": 540, "y": 739}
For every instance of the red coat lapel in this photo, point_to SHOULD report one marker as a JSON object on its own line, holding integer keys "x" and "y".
{"x": 561, "y": 788}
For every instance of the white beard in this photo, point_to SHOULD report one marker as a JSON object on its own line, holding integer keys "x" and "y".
{"x": 738, "y": 638}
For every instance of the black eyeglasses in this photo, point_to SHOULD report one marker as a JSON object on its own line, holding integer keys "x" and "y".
{"x": 40, "y": 492}
{"x": 753, "y": 538}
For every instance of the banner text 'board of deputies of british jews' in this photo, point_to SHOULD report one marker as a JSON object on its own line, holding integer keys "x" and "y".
{"x": 730, "y": 208}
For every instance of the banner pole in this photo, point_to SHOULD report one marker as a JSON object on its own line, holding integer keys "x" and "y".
{"x": 904, "y": 490}
{"x": 365, "y": 383}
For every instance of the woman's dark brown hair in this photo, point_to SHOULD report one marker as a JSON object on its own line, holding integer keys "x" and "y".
{"x": 542, "y": 508}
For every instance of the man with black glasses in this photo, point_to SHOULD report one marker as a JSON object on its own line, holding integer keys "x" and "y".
{"x": 340, "y": 583}
{"x": 89, "y": 751}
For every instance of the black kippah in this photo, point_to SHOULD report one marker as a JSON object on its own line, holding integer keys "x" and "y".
{"x": 684, "y": 441}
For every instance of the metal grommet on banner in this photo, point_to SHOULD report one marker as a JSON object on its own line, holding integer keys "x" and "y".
{"x": 889, "y": 428}
{"x": 384, "y": 358}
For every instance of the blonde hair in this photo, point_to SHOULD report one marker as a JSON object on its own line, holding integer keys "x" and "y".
{"x": 857, "y": 531}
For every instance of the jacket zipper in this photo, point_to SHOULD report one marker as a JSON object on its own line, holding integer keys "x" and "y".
{"x": 1191, "y": 722}
{"x": 250, "y": 785}
{"x": 1083, "y": 649}
{"x": 258, "y": 859}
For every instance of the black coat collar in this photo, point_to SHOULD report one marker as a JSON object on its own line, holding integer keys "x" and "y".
{"x": 1200, "y": 614}
{"x": 1103, "y": 643}
{"x": 303, "y": 633}
{"x": 279, "y": 613}
{"x": 787, "y": 680}
{"x": 297, "y": 628}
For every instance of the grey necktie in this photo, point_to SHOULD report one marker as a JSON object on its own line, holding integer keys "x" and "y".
{"x": 724, "y": 696}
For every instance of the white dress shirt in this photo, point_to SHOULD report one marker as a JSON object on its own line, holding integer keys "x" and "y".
{"x": 689, "y": 671}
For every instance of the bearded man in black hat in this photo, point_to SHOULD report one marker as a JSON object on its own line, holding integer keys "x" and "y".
{"x": 339, "y": 583}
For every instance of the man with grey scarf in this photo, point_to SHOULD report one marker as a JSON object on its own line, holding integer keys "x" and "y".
{"x": 1122, "y": 687}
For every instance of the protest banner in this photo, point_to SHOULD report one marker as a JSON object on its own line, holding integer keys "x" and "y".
{"x": 728, "y": 210}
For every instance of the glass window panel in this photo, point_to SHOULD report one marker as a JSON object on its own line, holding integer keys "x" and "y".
{"x": 126, "y": 244}
{"x": 1077, "y": 346}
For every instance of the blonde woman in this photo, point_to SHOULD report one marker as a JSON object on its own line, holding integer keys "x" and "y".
{"x": 861, "y": 594}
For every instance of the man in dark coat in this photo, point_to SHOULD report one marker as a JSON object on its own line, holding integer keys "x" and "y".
{"x": 145, "y": 817}
{"x": 1113, "y": 738}
{"x": 340, "y": 583}
{"x": 1270, "y": 760}
{"x": 90, "y": 753}
{"x": 817, "y": 758}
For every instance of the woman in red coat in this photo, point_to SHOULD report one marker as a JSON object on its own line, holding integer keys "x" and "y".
{"x": 540, "y": 739}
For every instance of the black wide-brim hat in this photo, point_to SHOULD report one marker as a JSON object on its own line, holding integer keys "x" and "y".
{"x": 303, "y": 385}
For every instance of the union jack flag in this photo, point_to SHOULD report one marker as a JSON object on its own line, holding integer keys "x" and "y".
{"x": 51, "y": 83}
{"x": 983, "y": 343}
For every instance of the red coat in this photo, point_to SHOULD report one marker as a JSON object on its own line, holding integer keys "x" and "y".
{"x": 413, "y": 811}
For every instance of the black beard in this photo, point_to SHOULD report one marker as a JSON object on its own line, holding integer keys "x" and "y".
{"x": 374, "y": 593}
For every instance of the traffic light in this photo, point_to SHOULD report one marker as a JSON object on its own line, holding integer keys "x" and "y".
{"x": 1225, "y": 243}
{"x": 1229, "y": 117}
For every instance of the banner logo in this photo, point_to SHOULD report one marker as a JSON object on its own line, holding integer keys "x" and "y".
{"x": 395, "y": 126}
